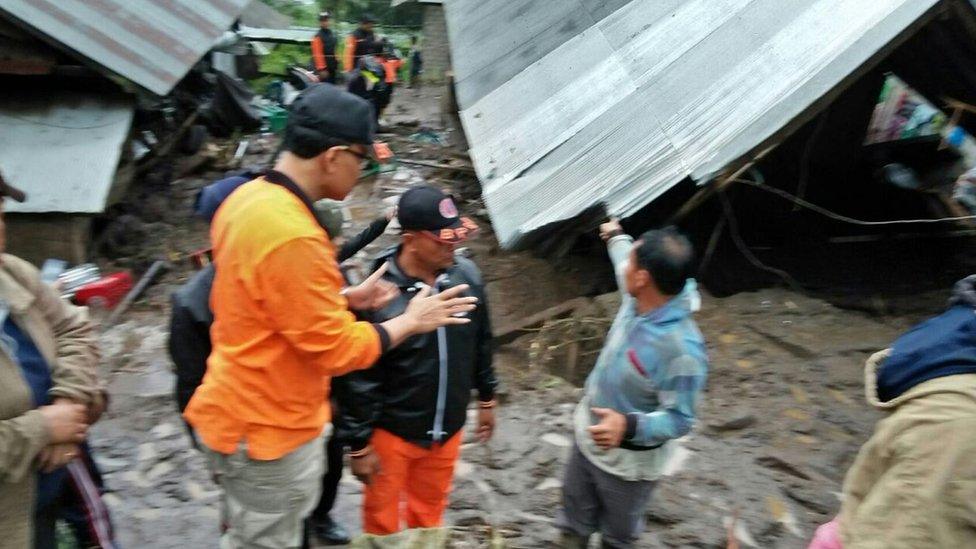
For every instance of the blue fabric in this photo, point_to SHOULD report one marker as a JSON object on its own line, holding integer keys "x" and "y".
{"x": 939, "y": 347}
{"x": 37, "y": 374}
{"x": 653, "y": 365}
{"x": 213, "y": 195}
{"x": 32, "y": 364}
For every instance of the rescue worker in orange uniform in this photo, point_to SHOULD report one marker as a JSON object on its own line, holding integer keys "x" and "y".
{"x": 391, "y": 65}
{"x": 282, "y": 324}
{"x": 360, "y": 43}
{"x": 324, "y": 50}
{"x": 403, "y": 419}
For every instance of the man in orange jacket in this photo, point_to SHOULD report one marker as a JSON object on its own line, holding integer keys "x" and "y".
{"x": 324, "y": 50}
{"x": 282, "y": 325}
{"x": 360, "y": 43}
{"x": 386, "y": 55}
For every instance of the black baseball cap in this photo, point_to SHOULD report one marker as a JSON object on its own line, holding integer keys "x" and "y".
{"x": 324, "y": 116}
{"x": 428, "y": 209}
{"x": 367, "y": 18}
{"x": 6, "y": 189}
{"x": 325, "y": 15}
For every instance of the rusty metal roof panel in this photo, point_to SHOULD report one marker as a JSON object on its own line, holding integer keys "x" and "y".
{"x": 576, "y": 103}
{"x": 62, "y": 148}
{"x": 150, "y": 42}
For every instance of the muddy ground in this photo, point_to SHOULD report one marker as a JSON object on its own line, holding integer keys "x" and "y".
{"x": 781, "y": 421}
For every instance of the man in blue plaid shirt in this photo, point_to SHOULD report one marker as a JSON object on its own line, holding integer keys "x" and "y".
{"x": 641, "y": 394}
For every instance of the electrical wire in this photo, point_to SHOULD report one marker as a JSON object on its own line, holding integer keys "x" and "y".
{"x": 744, "y": 248}
{"x": 825, "y": 212}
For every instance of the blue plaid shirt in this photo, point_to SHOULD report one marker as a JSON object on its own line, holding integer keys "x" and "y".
{"x": 652, "y": 368}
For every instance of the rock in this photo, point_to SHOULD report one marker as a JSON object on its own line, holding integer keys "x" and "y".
{"x": 549, "y": 484}
{"x": 147, "y": 452}
{"x": 556, "y": 439}
{"x": 733, "y": 423}
{"x": 134, "y": 478}
{"x": 147, "y": 514}
{"x": 470, "y": 517}
{"x": 507, "y": 485}
{"x": 159, "y": 470}
{"x": 813, "y": 499}
{"x": 159, "y": 501}
{"x": 779, "y": 463}
{"x": 112, "y": 501}
{"x": 676, "y": 463}
{"x": 462, "y": 469}
{"x": 108, "y": 465}
{"x": 163, "y": 430}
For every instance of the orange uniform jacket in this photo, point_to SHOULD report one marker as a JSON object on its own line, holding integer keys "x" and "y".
{"x": 392, "y": 66}
{"x": 281, "y": 327}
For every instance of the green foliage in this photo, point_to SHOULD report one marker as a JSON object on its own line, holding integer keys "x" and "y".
{"x": 410, "y": 14}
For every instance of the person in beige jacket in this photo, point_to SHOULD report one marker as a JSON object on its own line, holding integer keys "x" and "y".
{"x": 35, "y": 438}
{"x": 913, "y": 484}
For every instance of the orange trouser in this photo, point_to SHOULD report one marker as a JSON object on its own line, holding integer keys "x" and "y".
{"x": 408, "y": 472}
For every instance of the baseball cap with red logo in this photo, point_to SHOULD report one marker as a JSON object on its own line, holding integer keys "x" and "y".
{"x": 428, "y": 209}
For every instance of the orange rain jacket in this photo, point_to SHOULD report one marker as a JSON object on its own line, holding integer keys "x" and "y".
{"x": 281, "y": 327}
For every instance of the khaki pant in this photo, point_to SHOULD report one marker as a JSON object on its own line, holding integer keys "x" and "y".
{"x": 265, "y": 503}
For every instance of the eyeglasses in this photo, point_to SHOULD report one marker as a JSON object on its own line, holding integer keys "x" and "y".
{"x": 362, "y": 156}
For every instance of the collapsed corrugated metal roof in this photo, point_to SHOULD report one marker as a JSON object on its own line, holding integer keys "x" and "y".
{"x": 278, "y": 36}
{"x": 62, "y": 148}
{"x": 575, "y": 103}
{"x": 151, "y": 43}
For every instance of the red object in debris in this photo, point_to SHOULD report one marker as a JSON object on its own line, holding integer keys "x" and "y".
{"x": 107, "y": 291}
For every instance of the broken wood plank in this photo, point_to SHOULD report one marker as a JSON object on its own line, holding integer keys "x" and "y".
{"x": 460, "y": 168}
{"x": 512, "y": 330}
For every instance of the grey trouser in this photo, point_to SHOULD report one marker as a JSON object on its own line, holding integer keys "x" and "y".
{"x": 594, "y": 500}
{"x": 265, "y": 503}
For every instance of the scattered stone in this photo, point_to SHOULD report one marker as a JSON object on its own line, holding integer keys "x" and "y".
{"x": 813, "y": 499}
{"x": 108, "y": 465}
{"x": 557, "y": 440}
{"x": 111, "y": 500}
{"x": 159, "y": 470}
{"x": 741, "y": 531}
{"x": 734, "y": 423}
{"x": 779, "y": 463}
{"x": 463, "y": 469}
{"x": 134, "y": 478}
{"x": 677, "y": 461}
{"x": 549, "y": 484}
{"x": 163, "y": 430}
{"x": 781, "y": 512}
{"x": 470, "y": 517}
{"x": 147, "y": 514}
{"x": 147, "y": 452}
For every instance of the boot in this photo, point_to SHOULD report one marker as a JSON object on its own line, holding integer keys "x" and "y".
{"x": 330, "y": 532}
{"x": 569, "y": 540}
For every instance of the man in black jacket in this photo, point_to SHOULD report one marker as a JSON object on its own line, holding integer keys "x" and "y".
{"x": 324, "y": 50}
{"x": 403, "y": 418}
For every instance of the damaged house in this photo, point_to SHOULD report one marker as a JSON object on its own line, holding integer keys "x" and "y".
{"x": 77, "y": 78}
{"x": 644, "y": 109}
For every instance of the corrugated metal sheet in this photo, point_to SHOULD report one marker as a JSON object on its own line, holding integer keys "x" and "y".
{"x": 62, "y": 148}
{"x": 574, "y": 103}
{"x": 279, "y": 36}
{"x": 150, "y": 42}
